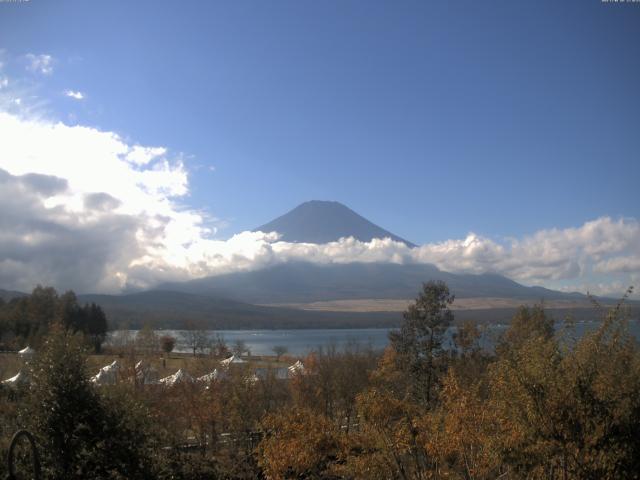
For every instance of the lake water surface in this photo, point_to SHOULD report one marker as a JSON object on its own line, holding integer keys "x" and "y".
{"x": 302, "y": 341}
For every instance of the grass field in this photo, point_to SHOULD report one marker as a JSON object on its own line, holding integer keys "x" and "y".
{"x": 399, "y": 305}
{"x": 11, "y": 363}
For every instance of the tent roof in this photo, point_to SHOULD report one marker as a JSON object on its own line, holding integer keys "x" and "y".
{"x": 232, "y": 359}
{"x": 112, "y": 367}
{"x": 297, "y": 367}
{"x": 20, "y": 378}
{"x": 209, "y": 377}
{"x": 180, "y": 376}
{"x": 105, "y": 377}
{"x": 107, "y": 374}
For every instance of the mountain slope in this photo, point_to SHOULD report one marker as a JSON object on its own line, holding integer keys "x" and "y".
{"x": 7, "y": 295}
{"x": 299, "y": 282}
{"x": 321, "y": 222}
{"x": 170, "y": 309}
{"x": 176, "y": 310}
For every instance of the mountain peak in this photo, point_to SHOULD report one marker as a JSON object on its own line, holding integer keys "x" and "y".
{"x": 322, "y": 221}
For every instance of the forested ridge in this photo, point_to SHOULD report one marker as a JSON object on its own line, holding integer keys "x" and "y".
{"x": 27, "y": 319}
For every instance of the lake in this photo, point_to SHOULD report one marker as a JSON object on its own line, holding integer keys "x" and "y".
{"x": 302, "y": 341}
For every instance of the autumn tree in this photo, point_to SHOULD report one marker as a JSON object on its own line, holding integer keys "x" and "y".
{"x": 386, "y": 442}
{"x": 461, "y": 435}
{"x": 219, "y": 347}
{"x": 167, "y": 343}
{"x": 469, "y": 360}
{"x": 527, "y": 323}
{"x": 298, "y": 443}
{"x": 279, "y": 350}
{"x": 569, "y": 413}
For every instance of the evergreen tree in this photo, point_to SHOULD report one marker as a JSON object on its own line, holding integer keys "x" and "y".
{"x": 81, "y": 435}
{"x": 419, "y": 340}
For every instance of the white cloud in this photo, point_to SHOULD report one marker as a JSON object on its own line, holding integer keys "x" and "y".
{"x": 102, "y": 182}
{"x": 628, "y": 264}
{"x": 614, "y": 289}
{"x": 546, "y": 255}
{"x": 75, "y": 94}
{"x": 143, "y": 155}
{"x": 41, "y": 63}
{"x": 84, "y": 209}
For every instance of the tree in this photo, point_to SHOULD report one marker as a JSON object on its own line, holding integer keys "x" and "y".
{"x": 147, "y": 340}
{"x": 279, "y": 350}
{"x": 298, "y": 444}
{"x": 4, "y": 327}
{"x": 82, "y": 436}
{"x": 240, "y": 347}
{"x": 461, "y": 434}
{"x": 167, "y": 343}
{"x": 219, "y": 347}
{"x": 465, "y": 338}
{"x": 96, "y": 327}
{"x": 69, "y": 313}
{"x": 122, "y": 339}
{"x": 527, "y": 323}
{"x": 30, "y": 317}
{"x": 569, "y": 412}
{"x": 419, "y": 340}
{"x": 197, "y": 339}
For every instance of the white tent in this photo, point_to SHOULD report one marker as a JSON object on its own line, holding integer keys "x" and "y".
{"x": 181, "y": 376}
{"x": 112, "y": 367}
{"x": 108, "y": 375}
{"x": 146, "y": 374}
{"x": 26, "y": 352}
{"x": 209, "y": 377}
{"x": 233, "y": 359}
{"x": 296, "y": 368}
{"x": 17, "y": 380}
{"x": 104, "y": 378}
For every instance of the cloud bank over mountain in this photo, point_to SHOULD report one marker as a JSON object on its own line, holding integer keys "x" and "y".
{"x": 83, "y": 208}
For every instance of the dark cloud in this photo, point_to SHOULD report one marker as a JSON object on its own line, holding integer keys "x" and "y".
{"x": 44, "y": 185}
{"x": 56, "y": 246}
{"x": 34, "y": 183}
{"x": 101, "y": 201}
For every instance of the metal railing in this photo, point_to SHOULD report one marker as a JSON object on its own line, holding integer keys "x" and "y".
{"x": 35, "y": 460}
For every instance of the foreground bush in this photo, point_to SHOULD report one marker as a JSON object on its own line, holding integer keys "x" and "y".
{"x": 81, "y": 435}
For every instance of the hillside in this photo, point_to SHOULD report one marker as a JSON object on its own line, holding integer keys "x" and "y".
{"x": 302, "y": 282}
{"x": 170, "y": 309}
{"x": 7, "y": 295}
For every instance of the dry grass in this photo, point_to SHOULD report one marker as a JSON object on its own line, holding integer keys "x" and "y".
{"x": 11, "y": 363}
{"x": 399, "y": 305}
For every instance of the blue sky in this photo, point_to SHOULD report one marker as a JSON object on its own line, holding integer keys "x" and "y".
{"x": 431, "y": 118}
